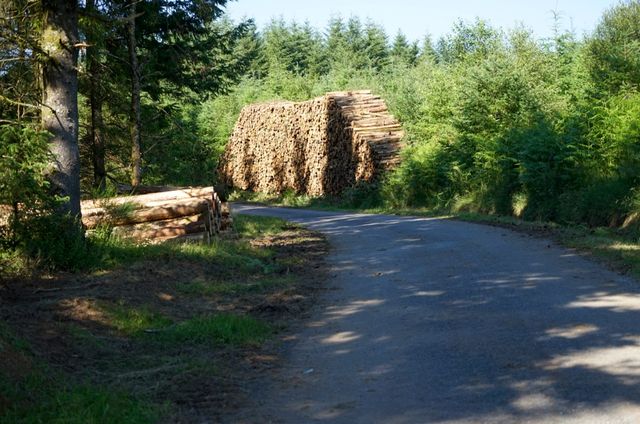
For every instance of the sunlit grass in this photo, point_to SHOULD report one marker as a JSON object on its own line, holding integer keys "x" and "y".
{"x": 102, "y": 251}
{"x": 254, "y": 226}
{"x": 214, "y": 329}
{"x": 209, "y": 329}
{"x": 624, "y": 247}
{"x": 132, "y": 321}
{"x": 615, "y": 249}
{"x": 111, "y": 252}
{"x": 287, "y": 198}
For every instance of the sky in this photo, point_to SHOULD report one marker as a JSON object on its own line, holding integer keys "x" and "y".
{"x": 434, "y": 17}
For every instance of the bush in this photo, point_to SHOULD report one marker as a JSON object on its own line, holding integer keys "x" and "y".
{"x": 34, "y": 229}
{"x": 362, "y": 195}
{"x": 545, "y": 170}
{"x": 602, "y": 203}
{"x": 420, "y": 180}
{"x": 616, "y": 137}
{"x": 24, "y": 158}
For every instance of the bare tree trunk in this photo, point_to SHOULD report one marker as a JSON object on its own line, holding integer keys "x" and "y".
{"x": 96, "y": 135}
{"x": 134, "y": 119}
{"x": 60, "y": 98}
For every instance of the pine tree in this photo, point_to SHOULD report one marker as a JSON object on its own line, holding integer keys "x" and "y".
{"x": 376, "y": 46}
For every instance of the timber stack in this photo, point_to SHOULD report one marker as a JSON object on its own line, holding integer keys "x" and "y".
{"x": 185, "y": 213}
{"x": 317, "y": 147}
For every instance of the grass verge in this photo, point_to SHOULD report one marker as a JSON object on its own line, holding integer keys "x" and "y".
{"x": 614, "y": 247}
{"x": 174, "y": 324}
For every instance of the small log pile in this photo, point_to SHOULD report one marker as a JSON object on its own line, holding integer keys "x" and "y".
{"x": 317, "y": 147}
{"x": 187, "y": 213}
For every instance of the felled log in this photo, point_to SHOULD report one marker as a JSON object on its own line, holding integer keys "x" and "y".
{"x": 317, "y": 147}
{"x": 158, "y": 216}
{"x": 142, "y": 189}
{"x": 171, "y": 209}
{"x": 182, "y": 193}
{"x": 162, "y": 229}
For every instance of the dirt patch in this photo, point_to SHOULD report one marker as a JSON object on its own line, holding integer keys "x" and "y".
{"x": 85, "y": 325}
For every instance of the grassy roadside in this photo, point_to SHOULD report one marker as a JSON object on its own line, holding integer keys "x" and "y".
{"x": 617, "y": 248}
{"x": 156, "y": 333}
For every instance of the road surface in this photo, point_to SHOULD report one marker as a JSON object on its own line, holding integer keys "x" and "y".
{"x": 440, "y": 321}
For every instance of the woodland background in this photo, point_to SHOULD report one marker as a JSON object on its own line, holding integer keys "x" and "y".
{"x": 497, "y": 120}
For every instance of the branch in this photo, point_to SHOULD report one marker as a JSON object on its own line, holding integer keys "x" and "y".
{"x": 16, "y": 59}
{"x": 17, "y": 103}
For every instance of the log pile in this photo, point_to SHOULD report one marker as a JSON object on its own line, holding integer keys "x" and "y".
{"x": 317, "y": 147}
{"x": 180, "y": 213}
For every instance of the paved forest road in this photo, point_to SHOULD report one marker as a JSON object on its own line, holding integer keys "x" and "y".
{"x": 438, "y": 321}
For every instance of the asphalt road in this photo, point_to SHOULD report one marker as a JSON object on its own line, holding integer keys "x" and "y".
{"x": 440, "y": 321}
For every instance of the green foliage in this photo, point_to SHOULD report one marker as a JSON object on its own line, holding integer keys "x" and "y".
{"x": 24, "y": 158}
{"x": 468, "y": 42}
{"x": 33, "y": 228}
{"x": 615, "y": 48}
{"x": 76, "y": 405}
{"x": 421, "y": 179}
{"x": 601, "y": 203}
{"x": 616, "y": 136}
{"x": 254, "y": 226}
{"x": 293, "y": 48}
{"x": 133, "y": 321}
{"x": 54, "y": 241}
{"x": 213, "y": 329}
{"x": 402, "y": 51}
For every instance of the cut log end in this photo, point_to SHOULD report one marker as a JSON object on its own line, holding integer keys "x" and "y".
{"x": 316, "y": 147}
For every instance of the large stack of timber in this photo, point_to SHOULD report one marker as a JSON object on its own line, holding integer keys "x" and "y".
{"x": 187, "y": 213}
{"x": 317, "y": 147}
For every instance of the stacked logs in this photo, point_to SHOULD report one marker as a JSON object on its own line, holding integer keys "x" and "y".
{"x": 188, "y": 213}
{"x": 317, "y": 147}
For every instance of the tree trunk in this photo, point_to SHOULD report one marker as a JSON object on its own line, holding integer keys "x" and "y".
{"x": 134, "y": 119}
{"x": 96, "y": 99}
{"x": 60, "y": 98}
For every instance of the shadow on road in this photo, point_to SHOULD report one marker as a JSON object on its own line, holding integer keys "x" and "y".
{"x": 442, "y": 321}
